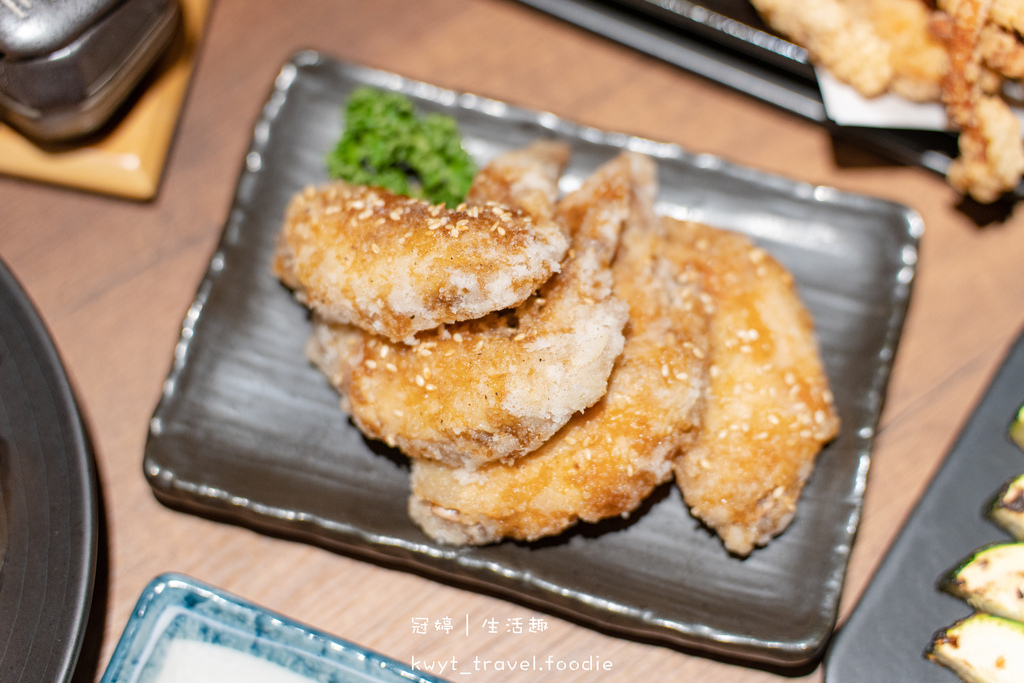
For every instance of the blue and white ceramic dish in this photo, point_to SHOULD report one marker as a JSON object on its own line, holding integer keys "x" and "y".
{"x": 185, "y": 630}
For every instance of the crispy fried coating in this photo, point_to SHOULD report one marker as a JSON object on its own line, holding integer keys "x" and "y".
{"x": 991, "y": 160}
{"x": 959, "y": 53}
{"x": 1002, "y": 52}
{"x": 524, "y": 179}
{"x": 1008, "y": 14}
{"x": 660, "y": 347}
{"x": 396, "y": 266}
{"x": 876, "y": 46}
{"x": 608, "y": 459}
{"x": 499, "y": 387}
{"x": 769, "y": 407}
{"x": 918, "y": 57}
{"x": 835, "y": 36}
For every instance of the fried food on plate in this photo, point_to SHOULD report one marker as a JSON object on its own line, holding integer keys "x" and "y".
{"x": 396, "y": 266}
{"x": 500, "y": 386}
{"x": 991, "y": 160}
{"x": 657, "y": 347}
{"x": 960, "y": 54}
{"x": 609, "y": 458}
{"x": 918, "y": 57}
{"x": 876, "y": 46}
{"x": 525, "y": 179}
{"x": 769, "y": 407}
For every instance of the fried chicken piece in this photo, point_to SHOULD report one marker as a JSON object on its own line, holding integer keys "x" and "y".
{"x": 524, "y": 179}
{"x": 396, "y": 266}
{"x": 1008, "y": 14}
{"x": 499, "y": 387}
{"x": 1001, "y": 51}
{"x": 835, "y": 36}
{"x": 769, "y": 406}
{"x": 991, "y": 159}
{"x": 918, "y": 58}
{"x": 609, "y": 458}
{"x": 958, "y": 55}
{"x": 876, "y": 46}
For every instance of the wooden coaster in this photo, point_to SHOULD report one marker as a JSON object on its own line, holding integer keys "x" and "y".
{"x": 128, "y": 159}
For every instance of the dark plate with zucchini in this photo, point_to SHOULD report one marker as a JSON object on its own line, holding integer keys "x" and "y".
{"x": 942, "y": 585}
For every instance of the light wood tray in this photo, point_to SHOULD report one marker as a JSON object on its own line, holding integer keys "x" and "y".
{"x": 128, "y": 160}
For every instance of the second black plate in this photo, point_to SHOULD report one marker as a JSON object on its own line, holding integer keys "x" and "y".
{"x": 886, "y": 636}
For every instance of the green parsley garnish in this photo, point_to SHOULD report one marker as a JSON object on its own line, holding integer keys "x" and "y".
{"x": 386, "y": 144}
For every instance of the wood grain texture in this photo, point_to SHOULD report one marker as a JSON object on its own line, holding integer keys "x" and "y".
{"x": 113, "y": 279}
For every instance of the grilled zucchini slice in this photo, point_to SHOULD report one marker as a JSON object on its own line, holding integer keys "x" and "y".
{"x": 982, "y": 648}
{"x": 1007, "y": 509}
{"x": 991, "y": 580}
{"x": 1016, "y": 431}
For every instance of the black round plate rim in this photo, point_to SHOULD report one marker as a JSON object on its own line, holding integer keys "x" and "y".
{"x": 60, "y": 592}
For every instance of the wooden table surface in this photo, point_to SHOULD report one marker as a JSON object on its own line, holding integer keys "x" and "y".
{"x": 113, "y": 278}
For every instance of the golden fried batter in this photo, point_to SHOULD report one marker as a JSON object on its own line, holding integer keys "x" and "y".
{"x": 991, "y": 158}
{"x": 1009, "y": 14}
{"x": 605, "y": 461}
{"x": 1001, "y": 52}
{"x": 876, "y": 46}
{"x": 524, "y": 179}
{"x": 675, "y": 348}
{"x": 395, "y": 266}
{"x": 769, "y": 407}
{"x": 499, "y": 387}
{"x": 959, "y": 55}
{"x": 834, "y": 36}
{"x": 918, "y": 58}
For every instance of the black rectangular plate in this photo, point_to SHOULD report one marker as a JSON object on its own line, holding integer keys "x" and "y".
{"x": 248, "y": 429}
{"x": 886, "y": 636}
